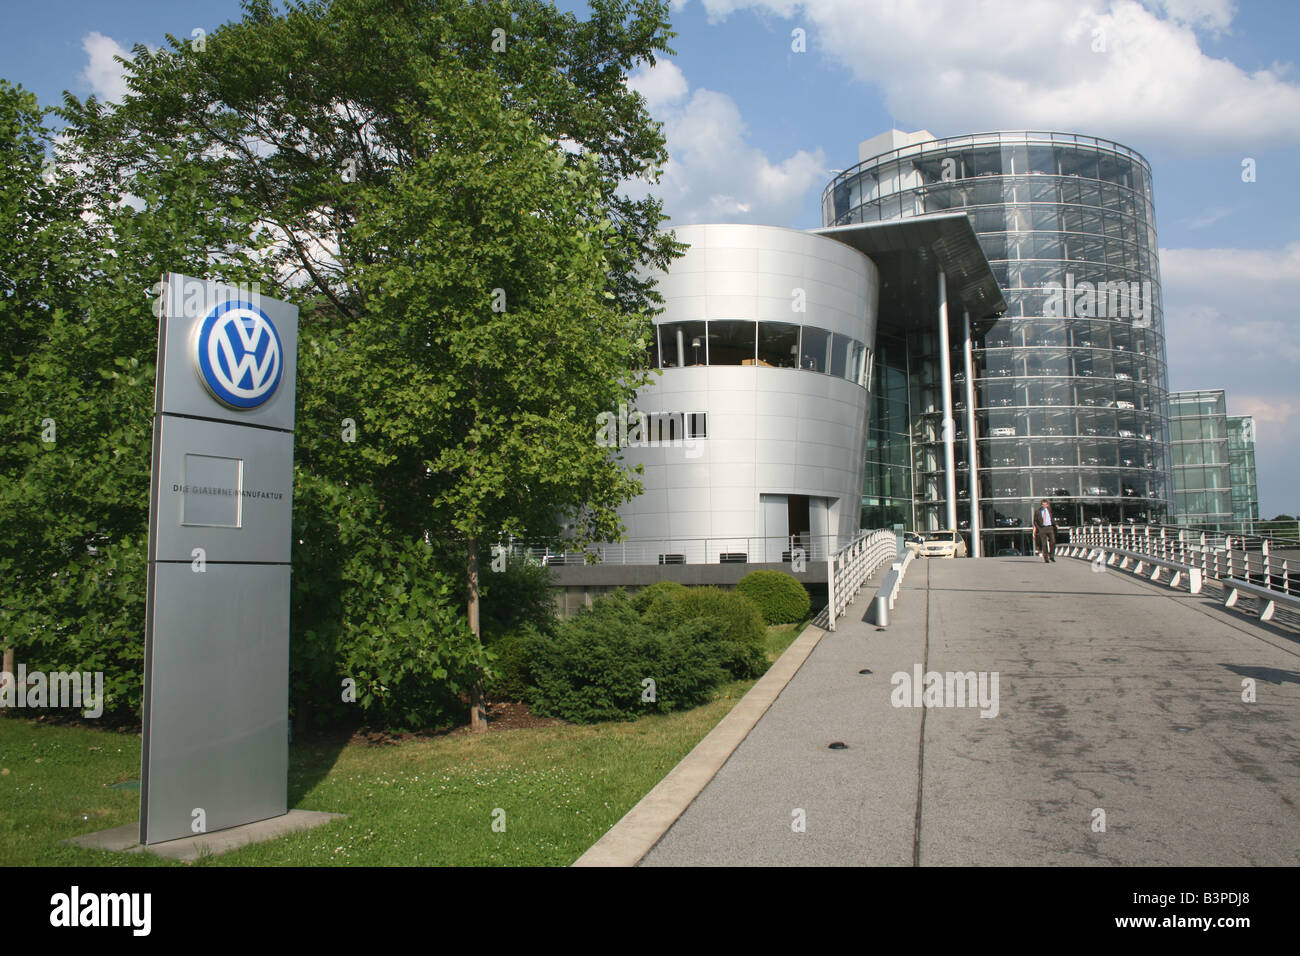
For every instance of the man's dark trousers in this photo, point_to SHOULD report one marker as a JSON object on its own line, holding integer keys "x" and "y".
{"x": 1047, "y": 541}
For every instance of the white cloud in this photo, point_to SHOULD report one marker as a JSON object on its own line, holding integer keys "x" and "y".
{"x": 1231, "y": 323}
{"x": 957, "y": 66}
{"x": 102, "y": 72}
{"x": 1213, "y": 16}
{"x": 1267, "y": 411}
{"x": 713, "y": 174}
{"x": 1209, "y": 217}
{"x": 662, "y": 85}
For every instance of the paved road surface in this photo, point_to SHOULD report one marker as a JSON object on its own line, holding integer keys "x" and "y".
{"x": 1114, "y": 694}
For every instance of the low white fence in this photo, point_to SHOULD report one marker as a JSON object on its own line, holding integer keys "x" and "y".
{"x": 1237, "y": 562}
{"x": 1218, "y": 557}
{"x": 849, "y": 567}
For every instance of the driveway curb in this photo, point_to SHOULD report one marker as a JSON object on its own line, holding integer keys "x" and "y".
{"x": 642, "y": 827}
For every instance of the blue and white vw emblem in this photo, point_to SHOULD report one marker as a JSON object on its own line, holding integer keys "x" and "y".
{"x": 239, "y": 355}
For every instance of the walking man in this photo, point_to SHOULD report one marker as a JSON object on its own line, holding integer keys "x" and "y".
{"x": 1045, "y": 532}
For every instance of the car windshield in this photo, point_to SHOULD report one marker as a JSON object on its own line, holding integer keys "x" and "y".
{"x": 947, "y": 536}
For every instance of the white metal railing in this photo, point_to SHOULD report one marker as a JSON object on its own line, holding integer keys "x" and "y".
{"x": 1219, "y": 557}
{"x": 850, "y": 566}
{"x": 789, "y": 549}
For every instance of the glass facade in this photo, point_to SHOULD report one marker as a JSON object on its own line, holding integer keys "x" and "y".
{"x": 1241, "y": 468}
{"x": 763, "y": 344}
{"x": 1198, "y": 423}
{"x": 887, "y": 478}
{"x": 1214, "y": 462}
{"x": 1071, "y": 387}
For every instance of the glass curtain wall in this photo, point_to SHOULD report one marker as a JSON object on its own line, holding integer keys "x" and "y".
{"x": 887, "y": 478}
{"x": 1241, "y": 466}
{"x": 1198, "y": 424}
{"x": 1071, "y": 384}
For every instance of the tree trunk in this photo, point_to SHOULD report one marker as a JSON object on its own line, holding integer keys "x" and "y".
{"x": 477, "y": 712}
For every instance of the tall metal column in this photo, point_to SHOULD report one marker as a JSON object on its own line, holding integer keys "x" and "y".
{"x": 949, "y": 427}
{"x": 972, "y": 446}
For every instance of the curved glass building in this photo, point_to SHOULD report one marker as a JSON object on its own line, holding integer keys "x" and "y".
{"x": 751, "y": 437}
{"x": 1070, "y": 384}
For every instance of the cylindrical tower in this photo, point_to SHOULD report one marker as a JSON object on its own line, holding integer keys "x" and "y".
{"x": 752, "y": 435}
{"x": 1071, "y": 384}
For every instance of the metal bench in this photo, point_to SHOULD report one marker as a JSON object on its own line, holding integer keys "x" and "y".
{"x": 1268, "y": 598}
{"x": 1112, "y": 555}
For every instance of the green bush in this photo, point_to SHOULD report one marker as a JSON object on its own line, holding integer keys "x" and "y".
{"x": 780, "y": 598}
{"x": 742, "y": 630}
{"x": 510, "y": 673}
{"x": 647, "y": 596}
{"x": 595, "y": 665}
{"x": 519, "y": 596}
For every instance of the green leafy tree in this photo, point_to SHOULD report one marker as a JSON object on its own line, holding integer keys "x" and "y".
{"x": 79, "y": 343}
{"x": 393, "y": 165}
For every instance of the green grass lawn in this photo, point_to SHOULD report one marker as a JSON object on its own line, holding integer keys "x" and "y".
{"x": 427, "y": 801}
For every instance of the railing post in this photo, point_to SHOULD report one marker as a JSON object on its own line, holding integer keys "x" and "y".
{"x": 830, "y": 589}
{"x": 1268, "y": 577}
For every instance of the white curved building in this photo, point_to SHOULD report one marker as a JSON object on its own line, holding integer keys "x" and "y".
{"x": 754, "y": 429}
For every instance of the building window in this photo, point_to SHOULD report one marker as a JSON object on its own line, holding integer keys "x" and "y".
{"x": 778, "y": 344}
{"x": 668, "y": 428}
{"x": 842, "y": 357}
{"x": 732, "y": 342}
{"x": 682, "y": 344}
{"x": 664, "y": 427}
{"x": 815, "y": 353}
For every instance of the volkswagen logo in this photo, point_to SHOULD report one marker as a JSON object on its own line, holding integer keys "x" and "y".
{"x": 238, "y": 355}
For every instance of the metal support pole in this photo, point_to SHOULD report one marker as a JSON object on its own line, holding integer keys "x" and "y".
{"x": 830, "y": 589}
{"x": 972, "y": 446}
{"x": 945, "y": 380}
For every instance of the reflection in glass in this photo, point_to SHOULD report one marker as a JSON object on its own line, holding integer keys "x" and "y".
{"x": 731, "y": 342}
{"x": 778, "y": 344}
{"x": 682, "y": 344}
{"x": 815, "y": 349}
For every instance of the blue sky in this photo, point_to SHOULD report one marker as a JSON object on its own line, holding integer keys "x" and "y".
{"x": 754, "y": 130}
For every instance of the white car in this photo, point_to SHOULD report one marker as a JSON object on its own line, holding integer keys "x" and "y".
{"x": 1125, "y": 405}
{"x": 943, "y": 544}
{"x": 1125, "y": 433}
{"x": 1002, "y": 433}
{"x": 913, "y": 541}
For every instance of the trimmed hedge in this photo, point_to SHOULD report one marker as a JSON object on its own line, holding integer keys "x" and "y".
{"x": 743, "y": 633}
{"x": 596, "y": 664}
{"x": 779, "y": 597}
{"x": 647, "y": 595}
